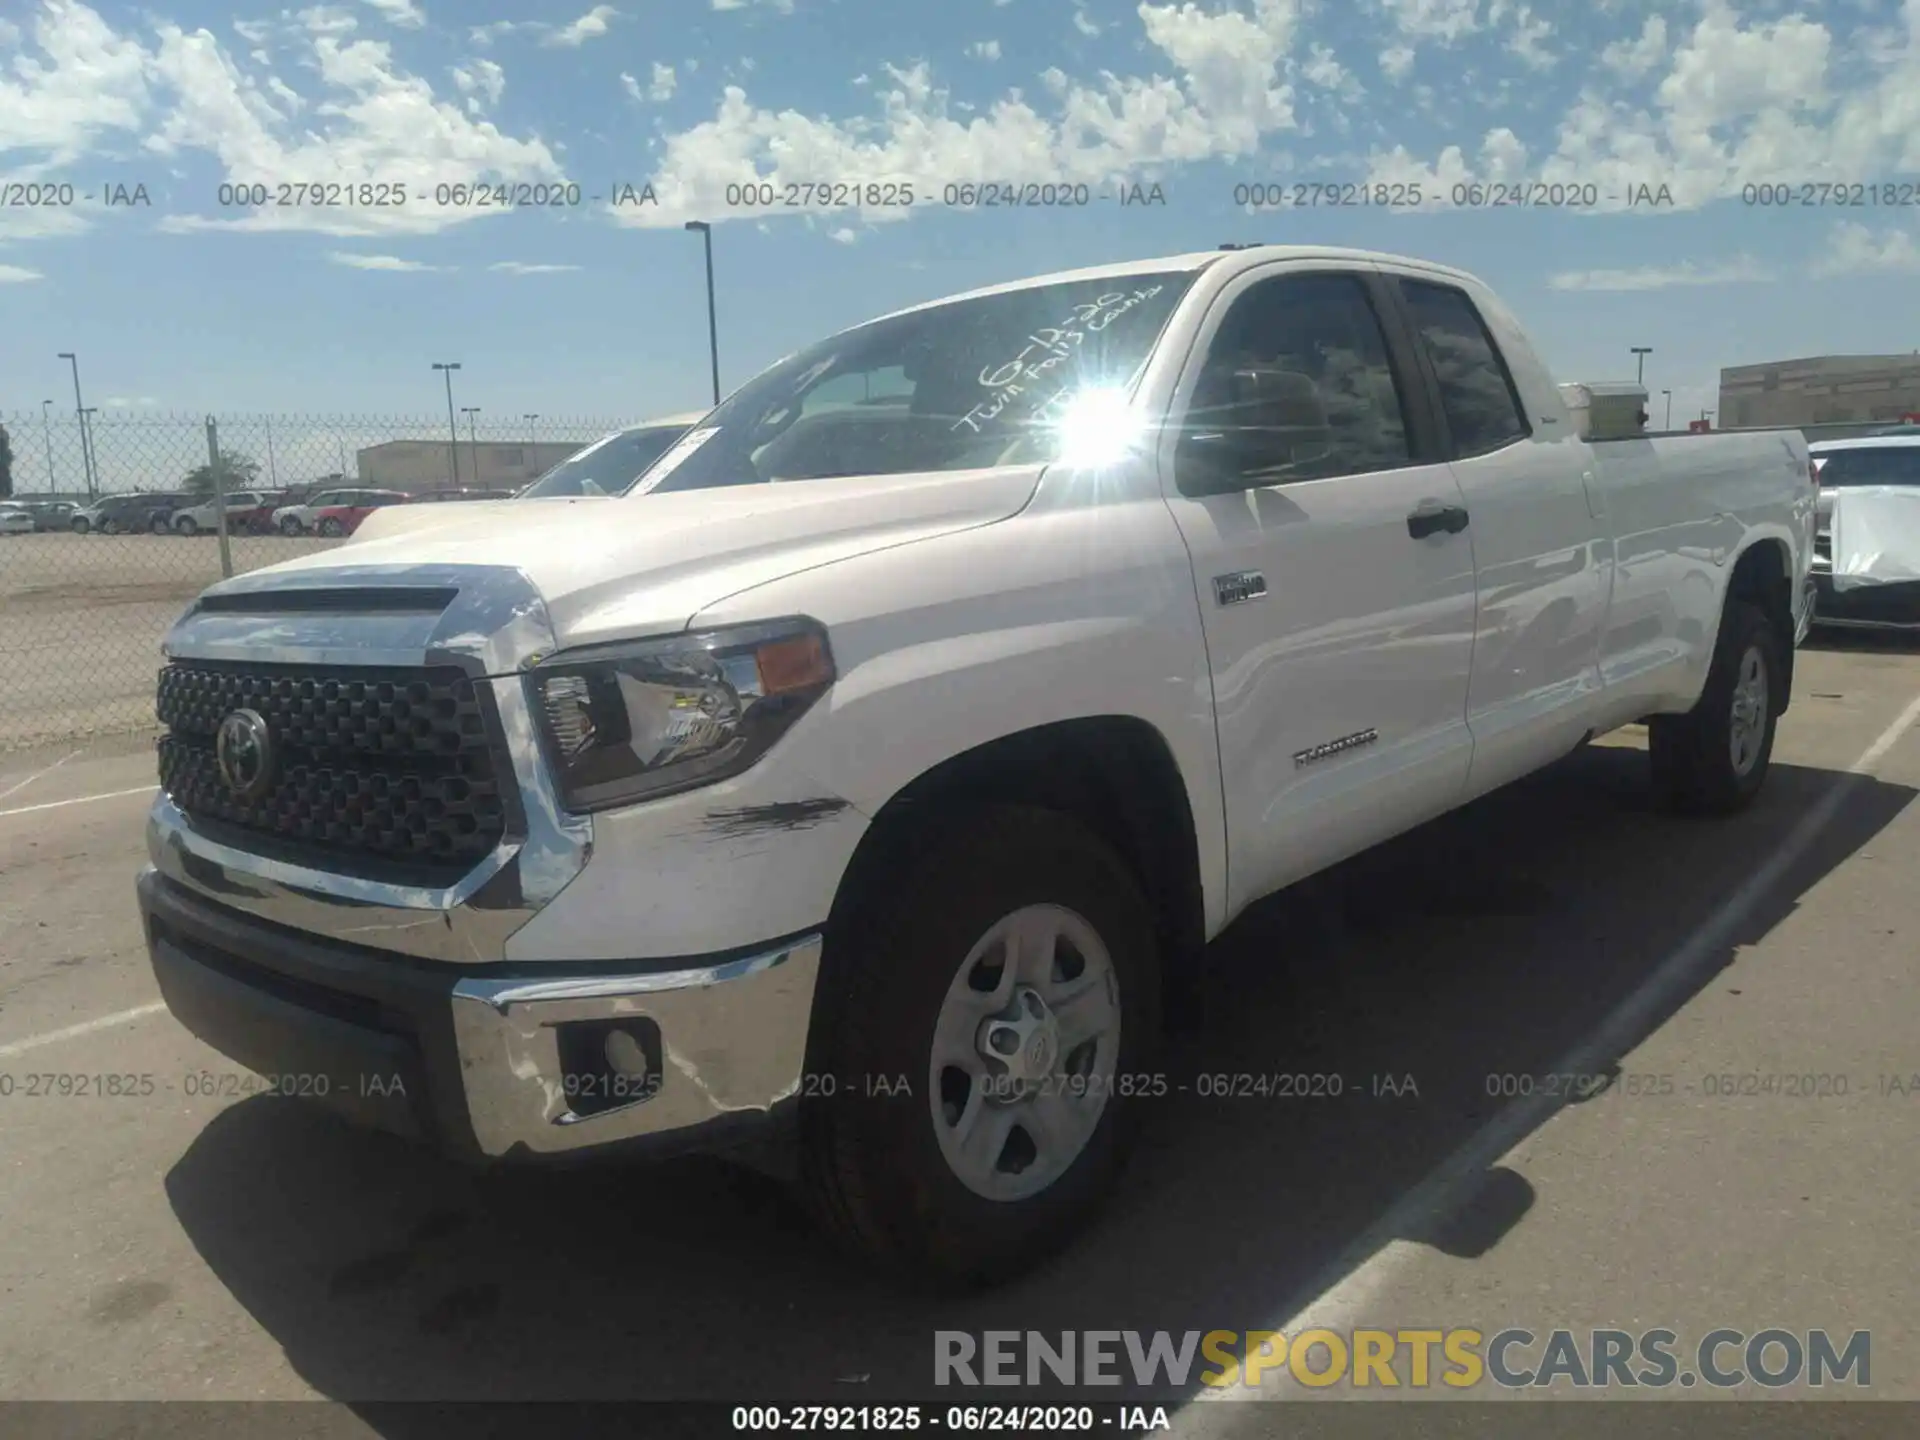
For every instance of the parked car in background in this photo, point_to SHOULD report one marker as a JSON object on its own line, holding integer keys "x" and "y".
{"x": 16, "y": 520}
{"x": 47, "y": 514}
{"x": 133, "y": 510}
{"x": 342, "y": 519}
{"x": 244, "y": 509}
{"x": 1891, "y": 457}
{"x": 301, "y": 518}
{"x": 612, "y": 463}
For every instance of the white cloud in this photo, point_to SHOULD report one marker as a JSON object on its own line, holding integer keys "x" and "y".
{"x": 89, "y": 83}
{"x": 1853, "y": 248}
{"x": 1322, "y": 69}
{"x": 785, "y": 7}
{"x": 984, "y": 50}
{"x": 1741, "y": 103}
{"x": 517, "y": 267}
{"x": 481, "y": 81}
{"x": 1225, "y": 97}
{"x": 348, "y": 114}
{"x": 131, "y": 402}
{"x": 403, "y": 13}
{"x": 590, "y": 26}
{"x": 663, "y": 83}
{"x": 1086, "y": 24}
{"x": 1443, "y": 20}
{"x": 18, "y": 275}
{"x": 254, "y": 32}
{"x": 1743, "y": 269}
{"x": 376, "y": 262}
{"x": 1631, "y": 59}
{"x": 1526, "y": 38}
{"x": 485, "y": 35}
{"x": 1396, "y": 62}
{"x": 331, "y": 20}
{"x": 845, "y": 235}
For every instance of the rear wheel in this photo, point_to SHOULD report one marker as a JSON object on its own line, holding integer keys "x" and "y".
{"x": 80, "y": 527}
{"x": 1714, "y": 759}
{"x": 978, "y": 1029}
{"x": 332, "y": 527}
{"x": 186, "y": 525}
{"x": 161, "y": 525}
{"x": 290, "y": 526}
{"x": 109, "y": 527}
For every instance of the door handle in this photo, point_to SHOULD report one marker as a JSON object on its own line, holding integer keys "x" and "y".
{"x": 1430, "y": 517}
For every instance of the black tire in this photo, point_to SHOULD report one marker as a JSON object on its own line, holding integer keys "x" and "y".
{"x": 185, "y": 525}
{"x": 332, "y": 528}
{"x": 872, "y": 1166}
{"x": 109, "y": 527}
{"x": 80, "y": 527}
{"x": 161, "y": 524}
{"x": 1692, "y": 755}
{"x": 291, "y": 526}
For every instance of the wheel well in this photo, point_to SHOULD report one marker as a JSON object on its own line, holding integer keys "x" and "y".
{"x": 1114, "y": 773}
{"x": 1763, "y": 576}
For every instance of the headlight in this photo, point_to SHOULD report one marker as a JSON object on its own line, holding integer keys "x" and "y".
{"x": 633, "y": 722}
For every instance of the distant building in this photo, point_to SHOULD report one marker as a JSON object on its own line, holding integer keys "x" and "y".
{"x": 428, "y": 464}
{"x": 1821, "y": 390}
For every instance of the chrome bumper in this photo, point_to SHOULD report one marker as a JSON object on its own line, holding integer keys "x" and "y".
{"x": 489, "y": 1067}
{"x": 733, "y": 1041}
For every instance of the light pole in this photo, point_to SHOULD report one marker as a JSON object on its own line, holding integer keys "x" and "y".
{"x": 1640, "y": 368}
{"x": 530, "y": 417}
{"x": 473, "y": 439}
{"x": 46, "y": 428}
{"x": 713, "y": 327}
{"x": 1669, "y": 395}
{"x": 80, "y": 414}
{"x": 453, "y": 430}
{"x": 86, "y": 440}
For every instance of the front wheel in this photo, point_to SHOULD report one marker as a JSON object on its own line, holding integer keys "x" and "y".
{"x": 1714, "y": 759}
{"x": 983, "y": 1035}
{"x": 80, "y": 527}
{"x": 186, "y": 525}
{"x": 290, "y": 526}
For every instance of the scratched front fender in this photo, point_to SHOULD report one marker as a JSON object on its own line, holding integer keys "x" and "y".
{"x": 721, "y": 868}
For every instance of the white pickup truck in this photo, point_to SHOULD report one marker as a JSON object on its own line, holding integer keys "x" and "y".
{"x": 858, "y": 790}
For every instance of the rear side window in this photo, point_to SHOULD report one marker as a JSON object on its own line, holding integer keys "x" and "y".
{"x": 1477, "y": 394}
{"x": 1874, "y": 465}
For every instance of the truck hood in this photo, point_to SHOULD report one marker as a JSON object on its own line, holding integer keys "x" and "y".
{"x": 615, "y": 569}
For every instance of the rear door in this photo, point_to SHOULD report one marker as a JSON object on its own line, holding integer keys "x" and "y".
{"x": 1538, "y": 514}
{"x": 1334, "y": 570}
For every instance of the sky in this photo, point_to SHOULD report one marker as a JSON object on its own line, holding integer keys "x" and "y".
{"x": 124, "y": 122}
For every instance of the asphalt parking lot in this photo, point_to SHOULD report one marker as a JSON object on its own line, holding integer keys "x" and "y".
{"x": 181, "y": 1245}
{"x": 82, "y": 617}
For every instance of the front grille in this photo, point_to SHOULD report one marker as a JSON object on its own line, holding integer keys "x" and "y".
{"x": 394, "y": 764}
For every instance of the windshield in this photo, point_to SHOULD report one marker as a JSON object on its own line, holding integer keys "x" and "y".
{"x": 1871, "y": 465}
{"x": 606, "y": 467}
{"x": 958, "y": 386}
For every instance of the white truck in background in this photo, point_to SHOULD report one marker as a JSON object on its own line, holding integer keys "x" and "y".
{"x": 868, "y": 777}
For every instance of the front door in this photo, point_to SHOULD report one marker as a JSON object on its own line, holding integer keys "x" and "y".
{"x": 1332, "y": 550}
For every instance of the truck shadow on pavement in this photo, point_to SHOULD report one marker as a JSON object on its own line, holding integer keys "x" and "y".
{"x": 1464, "y": 950}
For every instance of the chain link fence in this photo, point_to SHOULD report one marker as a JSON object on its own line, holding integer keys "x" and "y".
{"x": 87, "y": 597}
{"x": 82, "y": 614}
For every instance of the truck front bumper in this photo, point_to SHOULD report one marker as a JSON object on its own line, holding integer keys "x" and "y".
{"x": 494, "y": 1062}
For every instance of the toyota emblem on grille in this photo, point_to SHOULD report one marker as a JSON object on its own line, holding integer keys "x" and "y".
{"x": 245, "y": 750}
